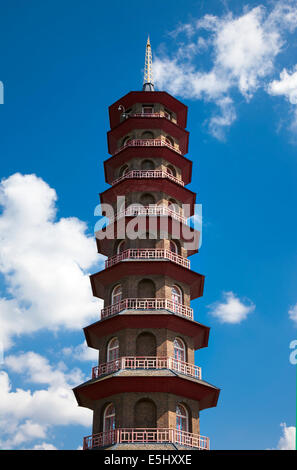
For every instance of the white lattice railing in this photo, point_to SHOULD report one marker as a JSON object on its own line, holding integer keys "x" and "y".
{"x": 146, "y": 435}
{"x": 147, "y": 254}
{"x": 147, "y": 304}
{"x": 147, "y": 143}
{"x": 148, "y": 362}
{"x": 148, "y": 174}
{"x": 135, "y": 210}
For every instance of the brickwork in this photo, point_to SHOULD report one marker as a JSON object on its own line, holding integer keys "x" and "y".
{"x": 162, "y": 405}
{"x": 134, "y": 392}
{"x": 127, "y": 337}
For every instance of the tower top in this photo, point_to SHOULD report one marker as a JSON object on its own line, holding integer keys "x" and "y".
{"x": 148, "y": 84}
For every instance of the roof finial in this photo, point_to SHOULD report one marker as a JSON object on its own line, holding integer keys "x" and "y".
{"x": 148, "y": 84}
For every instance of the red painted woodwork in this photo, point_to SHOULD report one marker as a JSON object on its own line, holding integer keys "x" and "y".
{"x": 193, "y": 329}
{"x": 103, "y": 279}
{"x": 126, "y": 126}
{"x": 166, "y": 153}
{"x": 161, "y": 97}
{"x": 191, "y": 388}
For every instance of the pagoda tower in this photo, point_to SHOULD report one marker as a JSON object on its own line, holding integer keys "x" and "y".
{"x": 147, "y": 392}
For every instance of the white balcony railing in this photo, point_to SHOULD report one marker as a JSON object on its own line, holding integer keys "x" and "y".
{"x": 147, "y": 143}
{"x": 147, "y": 304}
{"x": 147, "y": 436}
{"x": 135, "y": 210}
{"x": 147, "y": 363}
{"x": 147, "y": 254}
{"x": 148, "y": 174}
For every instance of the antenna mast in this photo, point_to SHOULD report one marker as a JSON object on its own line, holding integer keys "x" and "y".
{"x": 148, "y": 84}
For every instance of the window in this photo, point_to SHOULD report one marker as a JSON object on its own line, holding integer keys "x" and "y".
{"x": 121, "y": 247}
{"x": 109, "y": 418}
{"x": 116, "y": 295}
{"x": 171, "y": 170}
{"x": 173, "y": 247}
{"x": 147, "y": 165}
{"x": 167, "y": 114}
{"x": 169, "y": 140}
{"x": 182, "y": 419}
{"x": 176, "y": 295}
{"x": 147, "y": 109}
{"x": 147, "y": 135}
{"x": 147, "y": 200}
{"x": 123, "y": 170}
{"x": 179, "y": 350}
{"x": 113, "y": 350}
{"x": 126, "y": 140}
{"x": 173, "y": 206}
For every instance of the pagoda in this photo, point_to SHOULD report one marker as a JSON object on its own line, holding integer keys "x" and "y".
{"x": 146, "y": 391}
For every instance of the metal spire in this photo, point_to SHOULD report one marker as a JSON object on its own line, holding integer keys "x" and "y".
{"x": 148, "y": 84}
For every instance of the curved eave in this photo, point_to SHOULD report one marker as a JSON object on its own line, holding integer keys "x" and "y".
{"x": 108, "y": 276}
{"x": 126, "y": 154}
{"x": 198, "y": 332}
{"x": 86, "y": 394}
{"x": 131, "y": 123}
{"x": 165, "y": 185}
{"x": 178, "y": 230}
{"x": 161, "y": 97}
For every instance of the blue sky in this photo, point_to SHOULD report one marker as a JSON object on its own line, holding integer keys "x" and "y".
{"x": 234, "y": 65}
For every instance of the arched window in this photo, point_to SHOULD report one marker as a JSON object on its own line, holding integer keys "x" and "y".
{"x": 116, "y": 295}
{"x": 172, "y": 204}
{"x": 147, "y": 135}
{"x": 147, "y": 200}
{"x": 182, "y": 418}
{"x": 109, "y": 418}
{"x": 173, "y": 247}
{"x": 113, "y": 350}
{"x": 169, "y": 140}
{"x": 147, "y": 165}
{"x": 171, "y": 170}
{"x": 121, "y": 247}
{"x": 176, "y": 295}
{"x": 179, "y": 350}
{"x": 123, "y": 170}
{"x": 126, "y": 140}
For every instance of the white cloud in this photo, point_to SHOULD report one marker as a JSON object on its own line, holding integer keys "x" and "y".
{"x": 232, "y": 309}
{"x": 244, "y": 49}
{"x": 286, "y": 87}
{"x": 28, "y": 415}
{"x": 81, "y": 352}
{"x": 44, "y": 261}
{"x": 288, "y": 438}
{"x": 293, "y": 314}
{"x": 43, "y": 446}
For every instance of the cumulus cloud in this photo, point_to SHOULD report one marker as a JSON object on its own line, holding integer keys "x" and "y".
{"x": 242, "y": 50}
{"x": 286, "y": 87}
{"x": 81, "y": 353}
{"x": 288, "y": 438}
{"x": 231, "y": 309}
{"x": 28, "y": 415}
{"x": 293, "y": 313}
{"x": 44, "y": 261}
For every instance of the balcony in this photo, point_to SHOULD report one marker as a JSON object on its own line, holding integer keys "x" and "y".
{"x": 147, "y": 304}
{"x": 147, "y": 143}
{"x": 147, "y": 254}
{"x": 147, "y": 363}
{"x": 135, "y": 210}
{"x": 146, "y": 436}
{"x": 148, "y": 174}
